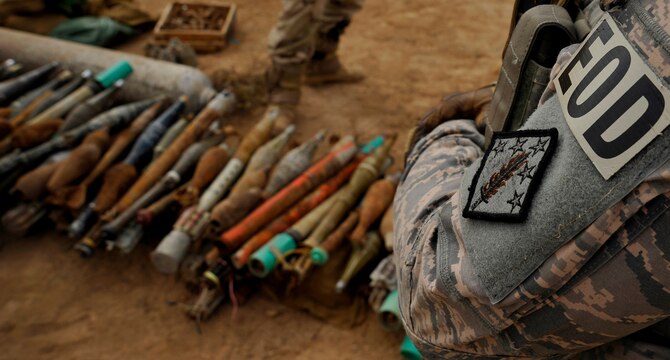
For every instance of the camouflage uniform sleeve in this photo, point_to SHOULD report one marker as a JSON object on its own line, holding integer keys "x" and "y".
{"x": 609, "y": 281}
{"x": 593, "y": 296}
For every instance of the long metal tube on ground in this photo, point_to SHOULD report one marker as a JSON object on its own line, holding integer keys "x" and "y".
{"x": 151, "y": 77}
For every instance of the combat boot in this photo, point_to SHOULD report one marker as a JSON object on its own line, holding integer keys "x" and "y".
{"x": 326, "y": 69}
{"x": 324, "y": 66}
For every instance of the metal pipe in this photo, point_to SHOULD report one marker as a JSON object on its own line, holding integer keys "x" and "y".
{"x": 151, "y": 77}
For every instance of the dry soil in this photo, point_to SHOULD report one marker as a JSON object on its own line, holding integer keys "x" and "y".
{"x": 54, "y": 305}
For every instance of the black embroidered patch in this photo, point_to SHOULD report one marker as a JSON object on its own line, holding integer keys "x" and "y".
{"x": 509, "y": 174}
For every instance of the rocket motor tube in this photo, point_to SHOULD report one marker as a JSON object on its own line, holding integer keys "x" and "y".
{"x": 220, "y": 104}
{"x": 169, "y": 137}
{"x": 147, "y": 215}
{"x": 318, "y": 196}
{"x": 13, "y": 88}
{"x": 153, "y": 132}
{"x": 366, "y": 173}
{"x": 102, "y": 81}
{"x": 320, "y": 254}
{"x": 60, "y": 93}
{"x": 264, "y": 260}
{"x": 94, "y": 105}
{"x": 18, "y": 105}
{"x": 167, "y": 183}
{"x": 299, "y": 187}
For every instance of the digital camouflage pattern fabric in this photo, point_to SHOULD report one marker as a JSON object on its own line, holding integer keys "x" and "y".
{"x": 591, "y": 298}
{"x": 578, "y": 299}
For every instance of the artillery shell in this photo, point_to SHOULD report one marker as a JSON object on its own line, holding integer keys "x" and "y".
{"x": 293, "y": 164}
{"x": 111, "y": 118}
{"x": 262, "y": 161}
{"x": 378, "y": 198}
{"x": 29, "y": 136}
{"x": 81, "y": 160}
{"x": 359, "y": 258}
{"x": 33, "y": 184}
{"x": 117, "y": 180}
{"x": 117, "y": 116}
{"x": 74, "y": 197}
{"x": 210, "y": 164}
{"x": 194, "y": 219}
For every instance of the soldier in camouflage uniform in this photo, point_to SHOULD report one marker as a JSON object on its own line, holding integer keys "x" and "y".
{"x": 303, "y": 48}
{"x": 583, "y": 274}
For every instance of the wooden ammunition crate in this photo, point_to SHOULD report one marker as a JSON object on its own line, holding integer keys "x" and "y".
{"x": 205, "y": 25}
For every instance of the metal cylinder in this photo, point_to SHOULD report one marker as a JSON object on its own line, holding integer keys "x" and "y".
{"x": 171, "y": 251}
{"x": 151, "y": 77}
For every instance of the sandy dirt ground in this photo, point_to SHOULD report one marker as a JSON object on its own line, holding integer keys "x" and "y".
{"x": 54, "y": 305}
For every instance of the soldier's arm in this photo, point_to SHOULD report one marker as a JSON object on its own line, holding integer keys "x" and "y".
{"x": 543, "y": 263}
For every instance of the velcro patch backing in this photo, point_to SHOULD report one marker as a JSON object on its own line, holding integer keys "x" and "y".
{"x": 508, "y": 175}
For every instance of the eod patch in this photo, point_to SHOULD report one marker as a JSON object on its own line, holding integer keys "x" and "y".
{"x": 613, "y": 102}
{"x": 509, "y": 174}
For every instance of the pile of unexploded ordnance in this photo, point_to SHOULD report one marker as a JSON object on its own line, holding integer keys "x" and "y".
{"x": 231, "y": 207}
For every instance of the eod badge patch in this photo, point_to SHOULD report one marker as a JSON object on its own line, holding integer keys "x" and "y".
{"x": 614, "y": 104}
{"x": 510, "y": 171}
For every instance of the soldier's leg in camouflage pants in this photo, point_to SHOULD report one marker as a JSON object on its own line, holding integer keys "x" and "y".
{"x": 307, "y": 31}
{"x": 333, "y": 17}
